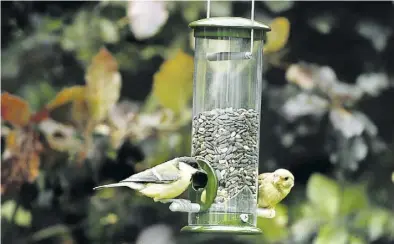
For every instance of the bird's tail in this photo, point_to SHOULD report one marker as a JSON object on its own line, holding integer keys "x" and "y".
{"x": 131, "y": 185}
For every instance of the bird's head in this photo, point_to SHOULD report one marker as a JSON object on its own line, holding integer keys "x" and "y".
{"x": 191, "y": 166}
{"x": 188, "y": 164}
{"x": 283, "y": 179}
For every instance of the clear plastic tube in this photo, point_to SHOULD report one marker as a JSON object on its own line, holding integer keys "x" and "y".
{"x": 226, "y": 124}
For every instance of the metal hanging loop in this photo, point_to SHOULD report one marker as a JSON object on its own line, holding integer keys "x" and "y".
{"x": 208, "y": 8}
{"x": 230, "y": 55}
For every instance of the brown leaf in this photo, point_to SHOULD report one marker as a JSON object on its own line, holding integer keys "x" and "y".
{"x": 103, "y": 84}
{"x": 80, "y": 113}
{"x": 59, "y": 136}
{"x": 67, "y": 95}
{"x": 14, "y": 109}
{"x": 300, "y": 75}
{"x": 21, "y": 159}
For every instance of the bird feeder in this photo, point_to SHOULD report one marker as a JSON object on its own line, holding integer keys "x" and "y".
{"x": 228, "y": 63}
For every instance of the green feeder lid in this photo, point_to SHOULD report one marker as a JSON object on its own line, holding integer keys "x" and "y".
{"x": 229, "y": 22}
{"x": 219, "y": 27}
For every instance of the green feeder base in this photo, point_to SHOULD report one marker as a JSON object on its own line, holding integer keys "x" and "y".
{"x": 241, "y": 230}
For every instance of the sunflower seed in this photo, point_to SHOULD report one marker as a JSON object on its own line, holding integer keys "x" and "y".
{"x": 227, "y": 139}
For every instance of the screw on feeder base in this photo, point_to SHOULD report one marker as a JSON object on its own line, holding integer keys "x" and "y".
{"x": 244, "y": 218}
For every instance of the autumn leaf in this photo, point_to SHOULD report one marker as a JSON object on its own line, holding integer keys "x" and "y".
{"x": 173, "y": 83}
{"x": 21, "y": 158}
{"x": 14, "y": 110}
{"x": 60, "y": 137}
{"x": 103, "y": 84}
{"x": 278, "y": 36}
{"x": 66, "y": 95}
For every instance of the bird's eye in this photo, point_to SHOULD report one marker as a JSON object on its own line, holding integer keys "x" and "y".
{"x": 286, "y": 178}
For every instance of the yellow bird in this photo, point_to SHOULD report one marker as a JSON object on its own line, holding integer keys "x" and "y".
{"x": 273, "y": 188}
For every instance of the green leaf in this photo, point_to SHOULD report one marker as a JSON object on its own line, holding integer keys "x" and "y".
{"x": 354, "y": 198}
{"x": 332, "y": 233}
{"x": 275, "y": 229}
{"x": 191, "y": 10}
{"x": 109, "y": 31}
{"x": 22, "y": 217}
{"x": 377, "y": 223}
{"x": 361, "y": 220}
{"x": 324, "y": 193}
{"x": 173, "y": 83}
{"x": 356, "y": 240}
{"x": 303, "y": 229}
{"x": 51, "y": 231}
{"x": 390, "y": 227}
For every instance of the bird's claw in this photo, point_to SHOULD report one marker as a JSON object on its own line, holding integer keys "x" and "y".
{"x": 168, "y": 200}
{"x": 268, "y": 213}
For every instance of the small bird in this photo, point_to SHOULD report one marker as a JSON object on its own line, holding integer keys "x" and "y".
{"x": 163, "y": 182}
{"x": 273, "y": 188}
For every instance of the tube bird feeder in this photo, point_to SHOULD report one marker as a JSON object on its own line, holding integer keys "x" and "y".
{"x": 228, "y": 63}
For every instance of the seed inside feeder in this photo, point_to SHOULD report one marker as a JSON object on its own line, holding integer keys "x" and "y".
{"x": 234, "y": 160}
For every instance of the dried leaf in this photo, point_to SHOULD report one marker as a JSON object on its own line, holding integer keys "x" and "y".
{"x": 345, "y": 93}
{"x": 103, "y": 84}
{"x": 376, "y": 33}
{"x": 323, "y": 23}
{"x": 14, "y": 109}
{"x": 359, "y": 149}
{"x": 346, "y": 123}
{"x": 373, "y": 83}
{"x": 122, "y": 113}
{"x": 301, "y": 76}
{"x": 278, "y": 36}
{"x": 67, "y": 95}
{"x": 304, "y": 104}
{"x": 173, "y": 83}
{"x": 279, "y": 6}
{"x": 80, "y": 113}
{"x": 21, "y": 159}
{"x": 146, "y": 17}
{"x": 310, "y": 76}
{"x": 60, "y": 137}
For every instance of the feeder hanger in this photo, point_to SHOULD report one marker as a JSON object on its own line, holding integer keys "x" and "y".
{"x": 232, "y": 55}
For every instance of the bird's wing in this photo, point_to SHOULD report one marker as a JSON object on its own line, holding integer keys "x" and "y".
{"x": 161, "y": 174}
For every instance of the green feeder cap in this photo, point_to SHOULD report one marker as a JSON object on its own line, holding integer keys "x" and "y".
{"x": 228, "y": 27}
